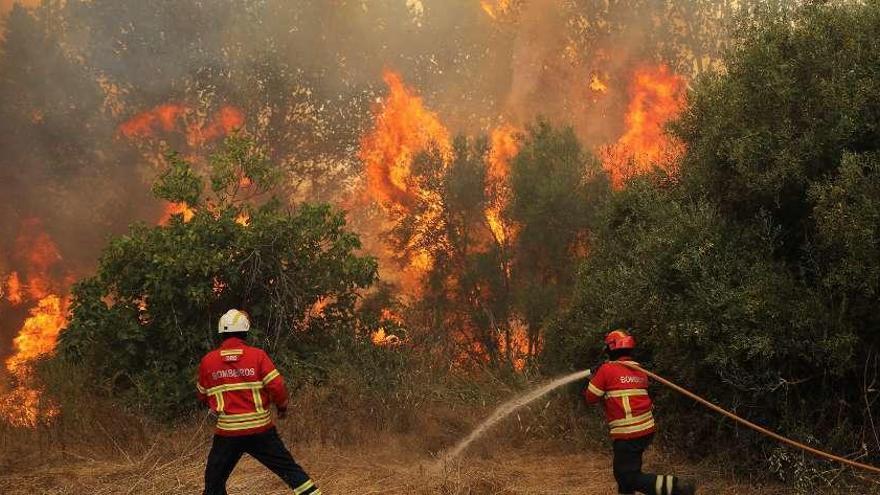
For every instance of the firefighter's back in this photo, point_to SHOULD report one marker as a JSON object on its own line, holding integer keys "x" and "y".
{"x": 628, "y": 406}
{"x": 238, "y": 381}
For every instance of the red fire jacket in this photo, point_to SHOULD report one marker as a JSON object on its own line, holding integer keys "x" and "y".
{"x": 627, "y": 403}
{"x": 239, "y": 382}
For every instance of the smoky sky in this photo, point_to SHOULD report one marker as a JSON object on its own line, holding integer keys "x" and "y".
{"x": 307, "y": 76}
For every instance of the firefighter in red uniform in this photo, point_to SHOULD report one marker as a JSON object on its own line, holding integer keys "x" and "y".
{"x": 239, "y": 382}
{"x": 628, "y": 409}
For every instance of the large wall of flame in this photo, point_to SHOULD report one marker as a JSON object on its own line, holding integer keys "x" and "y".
{"x": 306, "y": 75}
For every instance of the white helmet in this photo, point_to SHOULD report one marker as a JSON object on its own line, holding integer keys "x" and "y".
{"x": 234, "y": 321}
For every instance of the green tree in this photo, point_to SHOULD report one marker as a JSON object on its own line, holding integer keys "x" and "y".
{"x": 555, "y": 187}
{"x": 751, "y": 277}
{"x": 142, "y": 322}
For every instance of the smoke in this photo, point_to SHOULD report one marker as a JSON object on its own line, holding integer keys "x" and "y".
{"x": 305, "y": 75}
{"x": 6, "y": 5}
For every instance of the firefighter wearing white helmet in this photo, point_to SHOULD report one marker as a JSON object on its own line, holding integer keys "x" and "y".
{"x": 239, "y": 383}
{"x": 234, "y": 321}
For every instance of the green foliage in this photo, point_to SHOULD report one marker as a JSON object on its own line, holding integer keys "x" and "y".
{"x": 143, "y": 321}
{"x": 752, "y": 277}
{"x": 710, "y": 306}
{"x": 555, "y": 186}
{"x": 847, "y": 216}
{"x": 798, "y": 91}
{"x": 241, "y": 160}
{"x": 179, "y": 183}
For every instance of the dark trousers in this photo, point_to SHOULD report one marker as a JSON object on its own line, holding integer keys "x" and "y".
{"x": 265, "y": 447}
{"x": 628, "y": 470}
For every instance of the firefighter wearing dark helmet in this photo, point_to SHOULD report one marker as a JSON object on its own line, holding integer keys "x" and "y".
{"x": 623, "y": 392}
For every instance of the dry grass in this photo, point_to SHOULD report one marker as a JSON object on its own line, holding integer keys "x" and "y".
{"x": 391, "y": 464}
{"x": 349, "y": 442}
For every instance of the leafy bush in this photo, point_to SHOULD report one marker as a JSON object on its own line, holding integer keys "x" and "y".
{"x": 752, "y": 276}
{"x": 141, "y": 324}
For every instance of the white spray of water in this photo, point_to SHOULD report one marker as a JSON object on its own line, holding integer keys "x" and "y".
{"x": 504, "y": 410}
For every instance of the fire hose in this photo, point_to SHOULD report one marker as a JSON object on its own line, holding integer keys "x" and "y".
{"x": 753, "y": 426}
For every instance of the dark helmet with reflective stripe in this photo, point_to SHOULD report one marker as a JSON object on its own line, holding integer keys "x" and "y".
{"x": 619, "y": 339}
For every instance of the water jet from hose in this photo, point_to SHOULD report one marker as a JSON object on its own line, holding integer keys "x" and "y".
{"x": 505, "y": 410}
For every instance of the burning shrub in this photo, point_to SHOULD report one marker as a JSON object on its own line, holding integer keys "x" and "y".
{"x": 503, "y": 222}
{"x": 143, "y": 321}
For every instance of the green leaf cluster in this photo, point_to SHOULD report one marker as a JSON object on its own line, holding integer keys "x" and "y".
{"x": 142, "y": 322}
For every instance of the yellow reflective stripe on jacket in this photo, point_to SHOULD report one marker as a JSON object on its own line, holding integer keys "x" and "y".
{"x": 258, "y": 400}
{"x": 218, "y": 397}
{"x": 595, "y": 390}
{"x": 632, "y": 392}
{"x": 669, "y": 484}
{"x": 242, "y": 418}
{"x": 302, "y": 488}
{"x": 229, "y": 418}
{"x": 623, "y": 430}
{"x": 258, "y": 421}
{"x": 235, "y": 386}
{"x": 270, "y": 376}
{"x": 201, "y": 389}
{"x": 231, "y": 352}
{"x": 631, "y": 421}
{"x": 244, "y": 425}
{"x": 658, "y": 485}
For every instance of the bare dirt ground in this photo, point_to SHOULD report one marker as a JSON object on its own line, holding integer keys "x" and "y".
{"x": 383, "y": 467}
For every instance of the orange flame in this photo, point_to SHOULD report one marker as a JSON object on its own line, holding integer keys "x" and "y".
{"x": 170, "y": 117}
{"x": 225, "y": 121}
{"x": 145, "y": 124}
{"x": 390, "y": 315}
{"x": 39, "y": 333}
{"x": 172, "y": 209}
{"x": 597, "y": 85}
{"x": 656, "y": 97}
{"x": 403, "y": 128}
{"x": 37, "y": 252}
{"x": 495, "y": 8}
{"x": 23, "y": 406}
{"x": 13, "y": 289}
{"x": 42, "y": 256}
{"x": 380, "y": 337}
{"x": 243, "y": 219}
{"x": 519, "y": 350}
{"x": 503, "y": 147}
{"x": 470, "y": 351}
